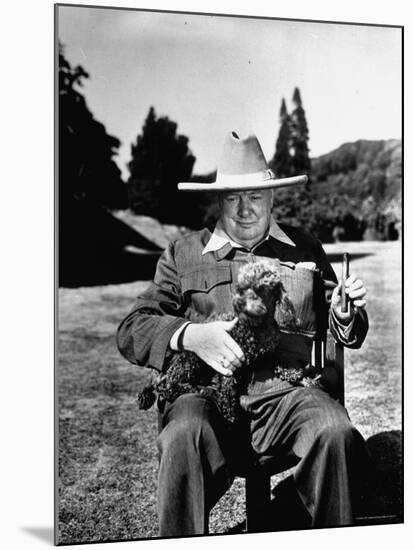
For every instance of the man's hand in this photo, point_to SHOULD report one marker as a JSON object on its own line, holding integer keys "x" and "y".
{"x": 356, "y": 292}
{"x": 212, "y": 343}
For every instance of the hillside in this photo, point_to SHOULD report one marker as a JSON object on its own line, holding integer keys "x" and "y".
{"x": 355, "y": 193}
{"x": 362, "y": 168}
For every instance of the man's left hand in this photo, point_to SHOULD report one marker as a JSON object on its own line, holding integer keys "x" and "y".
{"x": 356, "y": 292}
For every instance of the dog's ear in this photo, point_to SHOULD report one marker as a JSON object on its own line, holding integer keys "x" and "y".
{"x": 239, "y": 302}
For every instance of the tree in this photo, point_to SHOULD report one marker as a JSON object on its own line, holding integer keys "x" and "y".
{"x": 160, "y": 158}
{"x": 281, "y": 162}
{"x": 86, "y": 151}
{"x": 300, "y": 136}
{"x": 292, "y": 206}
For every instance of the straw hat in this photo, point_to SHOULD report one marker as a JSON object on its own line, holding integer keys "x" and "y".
{"x": 242, "y": 167}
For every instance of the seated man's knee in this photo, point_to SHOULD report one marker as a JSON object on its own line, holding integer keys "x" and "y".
{"x": 188, "y": 421}
{"x": 339, "y": 432}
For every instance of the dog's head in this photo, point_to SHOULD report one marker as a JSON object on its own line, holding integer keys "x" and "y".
{"x": 259, "y": 291}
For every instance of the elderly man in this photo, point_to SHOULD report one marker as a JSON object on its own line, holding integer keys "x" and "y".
{"x": 195, "y": 277}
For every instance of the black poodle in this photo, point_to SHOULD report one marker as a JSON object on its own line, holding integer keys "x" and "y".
{"x": 259, "y": 291}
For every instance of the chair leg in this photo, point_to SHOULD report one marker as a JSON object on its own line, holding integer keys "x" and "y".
{"x": 257, "y": 500}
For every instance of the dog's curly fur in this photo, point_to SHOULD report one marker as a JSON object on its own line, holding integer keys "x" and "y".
{"x": 259, "y": 291}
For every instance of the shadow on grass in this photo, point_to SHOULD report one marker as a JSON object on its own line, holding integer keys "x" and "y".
{"x": 380, "y": 500}
{"x": 382, "y": 494}
{"x": 95, "y": 248}
{"x": 112, "y": 267}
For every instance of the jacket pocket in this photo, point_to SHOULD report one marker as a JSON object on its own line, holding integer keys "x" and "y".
{"x": 205, "y": 279}
{"x": 207, "y": 290}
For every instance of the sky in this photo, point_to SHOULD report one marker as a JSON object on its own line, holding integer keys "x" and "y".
{"x": 213, "y": 74}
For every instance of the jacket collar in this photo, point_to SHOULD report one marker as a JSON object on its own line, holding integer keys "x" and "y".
{"x": 221, "y": 243}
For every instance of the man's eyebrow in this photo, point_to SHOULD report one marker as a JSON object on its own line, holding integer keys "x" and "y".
{"x": 249, "y": 193}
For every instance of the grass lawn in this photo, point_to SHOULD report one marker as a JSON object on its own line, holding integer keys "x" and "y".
{"x": 107, "y": 454}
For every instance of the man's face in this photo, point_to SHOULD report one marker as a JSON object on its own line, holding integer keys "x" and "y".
{"x": 245, "y": 215}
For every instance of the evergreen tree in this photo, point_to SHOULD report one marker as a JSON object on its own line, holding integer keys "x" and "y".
{"x": 86, "y": 151}
{"x": 291, "y": 205}
{"x": 160, "y": 158}
{"x": 281, "y": 163}
{"x": 300, "y": 136}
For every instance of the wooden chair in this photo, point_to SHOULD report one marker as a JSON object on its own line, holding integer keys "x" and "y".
{"x": 326, "y": 353}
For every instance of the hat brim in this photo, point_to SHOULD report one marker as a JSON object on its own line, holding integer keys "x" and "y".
{"x": 236, "y": 183}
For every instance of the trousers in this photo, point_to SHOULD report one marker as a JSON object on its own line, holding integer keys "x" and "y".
{"x": 197, "y": 456}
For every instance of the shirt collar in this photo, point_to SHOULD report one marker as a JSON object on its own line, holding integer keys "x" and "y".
{"x": 277, "y": 233}
{"x": 220, "y": 239}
